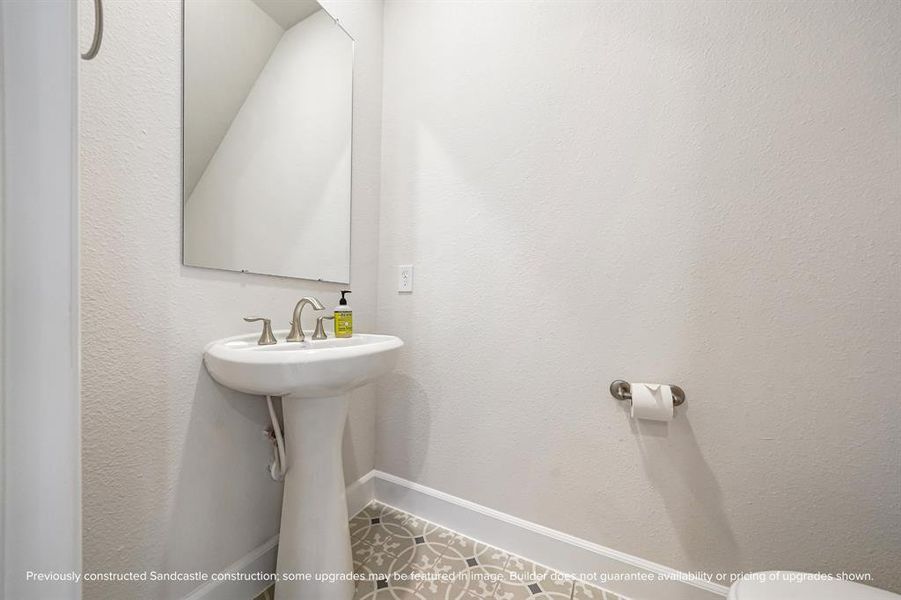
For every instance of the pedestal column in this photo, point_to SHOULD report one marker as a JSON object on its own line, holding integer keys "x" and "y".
{"x": 314, "y": 539}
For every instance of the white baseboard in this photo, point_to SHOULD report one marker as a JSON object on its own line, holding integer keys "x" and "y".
{"x": 560, "y": 551}
{"x": 260, "y": 559}
{"x": 360, "y": 493}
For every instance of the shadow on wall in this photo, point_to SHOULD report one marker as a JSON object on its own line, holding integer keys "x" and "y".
{"x": 687, "y": 485}
{"x": 402, "y": 399}
{"x": 224, "y": 492}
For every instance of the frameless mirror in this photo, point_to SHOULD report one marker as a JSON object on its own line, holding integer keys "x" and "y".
{"x": 267, "y": 138}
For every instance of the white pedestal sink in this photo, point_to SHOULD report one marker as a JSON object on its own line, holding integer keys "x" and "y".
{"x": 313, "y": 378}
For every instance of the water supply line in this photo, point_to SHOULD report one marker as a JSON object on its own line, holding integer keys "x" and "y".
{"x": 278, "y": 466}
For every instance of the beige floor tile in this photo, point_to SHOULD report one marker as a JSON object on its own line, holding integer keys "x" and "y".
{"x": 403, "y": 557}
{"x": 443, "y": 584}
{"x": 470, "y": 567}
{"x": 371, "y": 563}
{"x": 438, "y": 590}
{"x": 411, "y": 523}
{"x": 392, "y": 593}
{"x": 390, "y": 530}
{"x": 423, "y": 556}
{"x": 584, "y": 591}
{"x": 386, "y": 572}
{"x": 403, "y": 571}
{"x": 359, "y": 527}
{"x": 524, "y": 579}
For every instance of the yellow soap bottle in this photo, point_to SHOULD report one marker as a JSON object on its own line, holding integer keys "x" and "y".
{"x": 344, "y": 318}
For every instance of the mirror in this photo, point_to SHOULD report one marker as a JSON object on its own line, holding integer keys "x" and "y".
{"x": 267, "y": 138}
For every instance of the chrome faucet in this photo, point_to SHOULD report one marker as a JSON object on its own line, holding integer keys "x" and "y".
{"x": 296, "y": 334}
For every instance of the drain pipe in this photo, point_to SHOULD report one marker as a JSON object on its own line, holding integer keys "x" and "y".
{"x": 278, "y": 466}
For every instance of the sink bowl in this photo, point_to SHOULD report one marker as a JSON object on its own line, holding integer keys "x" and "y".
{"x": 313, "y": 378}
{"x": 310, "y": 369}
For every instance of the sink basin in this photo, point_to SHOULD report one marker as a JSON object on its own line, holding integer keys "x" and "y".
{"x": 309, "y": 369}
{"x": 313, "y": 378}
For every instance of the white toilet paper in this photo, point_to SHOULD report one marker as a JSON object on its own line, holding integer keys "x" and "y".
{"x": 652, "y": 401}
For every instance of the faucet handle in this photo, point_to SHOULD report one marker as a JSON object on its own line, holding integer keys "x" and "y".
{"x": 266, "y": 338}
{"x": 319, "y": 334}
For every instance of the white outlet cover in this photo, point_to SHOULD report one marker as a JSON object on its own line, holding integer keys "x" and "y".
{"x": 405, "y": 278}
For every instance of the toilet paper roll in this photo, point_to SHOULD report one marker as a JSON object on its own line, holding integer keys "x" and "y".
{"x": 652, "y": 401}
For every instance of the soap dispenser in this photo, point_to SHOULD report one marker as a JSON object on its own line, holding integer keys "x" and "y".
{"x": 344, "y": 318}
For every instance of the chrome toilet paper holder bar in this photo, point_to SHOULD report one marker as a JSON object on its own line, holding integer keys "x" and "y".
{"x": 622, "y": 390}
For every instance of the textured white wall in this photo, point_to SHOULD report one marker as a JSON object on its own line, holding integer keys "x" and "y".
{"x": 227, "y": 44}
{"x": 174, "y": 466}
{"x": 700, "y": 193}
{"x": 275, "y": 197}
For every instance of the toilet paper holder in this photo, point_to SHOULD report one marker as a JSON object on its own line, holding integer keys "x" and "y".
{"x": 622, "y": 390}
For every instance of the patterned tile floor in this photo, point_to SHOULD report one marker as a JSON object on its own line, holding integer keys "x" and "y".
{"x": 406, "y": 558}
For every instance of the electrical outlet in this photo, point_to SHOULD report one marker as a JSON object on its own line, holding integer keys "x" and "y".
{"x": 405, "y": 278}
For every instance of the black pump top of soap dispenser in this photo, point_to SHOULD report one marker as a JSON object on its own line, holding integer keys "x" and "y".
{"x": 343, "y": 301}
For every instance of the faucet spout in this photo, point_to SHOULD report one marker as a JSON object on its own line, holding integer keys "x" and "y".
{"x": 296, "y": 334}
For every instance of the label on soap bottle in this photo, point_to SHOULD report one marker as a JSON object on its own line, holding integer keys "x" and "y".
{"x": 344, "y": 323}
